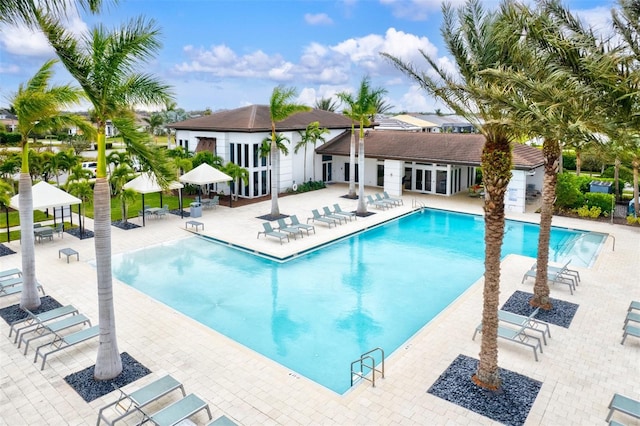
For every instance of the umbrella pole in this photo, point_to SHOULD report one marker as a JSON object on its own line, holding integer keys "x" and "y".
{"x": 6, "y": 212}
{"x": 144, "y": 212}
{"x": 180, "y": 202}
{"x": 160, "y": 199}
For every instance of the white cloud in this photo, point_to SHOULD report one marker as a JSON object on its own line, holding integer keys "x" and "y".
{"x": 20, "y": 40}
{"x": 317, "y": 19}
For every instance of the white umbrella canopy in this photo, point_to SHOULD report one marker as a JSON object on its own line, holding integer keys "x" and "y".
{"x": 46, "y": 196}
{"x": 147, "y": 183}
{"x": 204, "y": 174}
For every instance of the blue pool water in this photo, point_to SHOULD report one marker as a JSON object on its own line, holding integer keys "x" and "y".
{"x": 317, "y": 313}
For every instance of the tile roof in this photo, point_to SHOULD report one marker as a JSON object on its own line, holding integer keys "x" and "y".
{"x": 443, "y": 148}
{"x": 256, "y": 118}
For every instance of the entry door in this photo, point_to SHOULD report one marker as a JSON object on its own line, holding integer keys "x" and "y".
{"x": 423, "y": 180}
{"x": 326, "y": 172}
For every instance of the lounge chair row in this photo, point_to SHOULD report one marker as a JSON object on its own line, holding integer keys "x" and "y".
{"x": 383, "y": 201}
{"x": 11, "y": 282}
{"x": 329, "y": 217}
{"x": 522, "y": 332}
{"x": 137, "y": 401}
{"x": 54, "y": 325}
{"x": 285, "y": 230}
{"x": 556, "y": 275}
{"x": 633, "y": 316}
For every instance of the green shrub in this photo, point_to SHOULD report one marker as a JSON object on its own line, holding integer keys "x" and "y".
{"x": 569, "y": 160}
{"x": 568, "y": 193}
{"x": 625, "y": 174}
{"x": 310, "y": 186}
{"x": 10, "y": 138}
{"x": 632, "y": 220}
{"x": 598, "y": 199}
{"x": 586, "y": 211}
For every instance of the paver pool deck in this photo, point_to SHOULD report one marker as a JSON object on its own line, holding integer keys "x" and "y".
{"x": 581, "y": 367}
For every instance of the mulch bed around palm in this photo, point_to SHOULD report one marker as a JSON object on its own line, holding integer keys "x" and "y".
{"x": 14, "y": 313}
{"x": 89, "y": 388}
{"x": 561, "y": 314}
{"x": 5, "y": 251}
{"x": 510, "y": 405}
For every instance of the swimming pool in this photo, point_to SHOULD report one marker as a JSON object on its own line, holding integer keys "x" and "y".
{"x": 317, "y": 313}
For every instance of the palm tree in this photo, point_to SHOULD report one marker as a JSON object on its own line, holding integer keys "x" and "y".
{"x": 238, "y": 174}
{"x": 312, "y": 134}
{"x": 350, "y": 112}
{"x": 626, "y": 23}
{"x": 471, "y": 37}
{"x": 64, "y": 161}
{"x": 547, "y": 101}
{"x": 361, "y": 109}
{"x": 154, "y": 122}
{"x": 327, "y": 104}
{"x": 38, "y": 107}
{"x": 122, "y": 174}
{"x": 81, "y": 188}
{"x": 24, "y": 11}
{"x": 106, "y": 65}
{"x": 280, "y": 107}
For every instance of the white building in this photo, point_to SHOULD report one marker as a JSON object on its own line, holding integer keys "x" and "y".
{"x": 396, "y": 161}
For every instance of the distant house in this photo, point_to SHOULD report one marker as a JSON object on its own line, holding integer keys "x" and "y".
{"x": 448, "y": 123}
{"x": 396, "y": 161}
{"x": 8, "y": 121}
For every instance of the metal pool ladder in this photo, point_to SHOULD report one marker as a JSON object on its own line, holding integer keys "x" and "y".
{"x": 366, "y": 364}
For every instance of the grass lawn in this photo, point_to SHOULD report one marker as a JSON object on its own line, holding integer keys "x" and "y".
{"x": 152, "y": 200}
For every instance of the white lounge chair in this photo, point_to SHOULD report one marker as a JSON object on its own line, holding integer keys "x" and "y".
{"x": 517, "y": 336}
{"x": 292, "y": 231}
{"x": 64, "y": 342}
{"x": 180, "y": 410}
{"x": 529, "y": 322}
{"x": 328, "y": 214}
{"x": 33, "y": 320}
{"x": 269, "y": 231}
{"x": 338, "y": 210}
{"x": 317, "y": 217}
{"x": 129, "y": 402}
{"x": 295, "y": 223}
{"x": 625, "y": 405}
{"x": 378, "y": 204}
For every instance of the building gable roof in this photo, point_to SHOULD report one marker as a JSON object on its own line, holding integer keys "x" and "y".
{"x": 443, "y": 148}
{"x": 256, "y": 118}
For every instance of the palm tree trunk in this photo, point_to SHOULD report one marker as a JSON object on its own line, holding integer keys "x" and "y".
{"x": 352, "y": 165}
{"x": 362, "y": 206}
{"x": 578, "y": 162}
{"x": 29, "y": 298}
{"x": 551, "y": 151}
{"x": 304, "y": 172}
{"x": 616, "y": 176}
{"x": 496, "y": 168}
{"x": 635, "y": 164}
{"x": 108, "y": 363}
{"x": 275, "y": 171}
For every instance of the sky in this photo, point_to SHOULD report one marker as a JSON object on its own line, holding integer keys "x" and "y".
{"x": 225, "y": 54}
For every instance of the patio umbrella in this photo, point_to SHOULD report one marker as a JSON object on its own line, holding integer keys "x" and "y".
{"x": 147, "y": 183}
{"x": 204, "y": 174}
{"x": 46, "y": 196}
